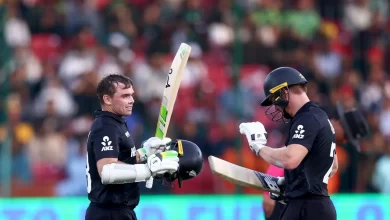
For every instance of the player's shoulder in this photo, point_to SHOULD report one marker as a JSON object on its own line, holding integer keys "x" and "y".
{"x": 104, "y": 124}
{"x": 306, "y": 117}
{"x": 312, "y": 118}
{"x": 320, "y": 115}
{"x": 312, "y": 111}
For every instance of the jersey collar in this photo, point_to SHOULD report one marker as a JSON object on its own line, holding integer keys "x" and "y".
{"x": 100, "y": 113}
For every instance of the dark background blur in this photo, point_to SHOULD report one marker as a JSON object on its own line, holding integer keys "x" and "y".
{"x": 53, "y": 53}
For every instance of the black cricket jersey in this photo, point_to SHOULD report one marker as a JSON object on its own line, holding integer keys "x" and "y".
{"x": 110, "y": 138}
{"x": 312, "y": 129}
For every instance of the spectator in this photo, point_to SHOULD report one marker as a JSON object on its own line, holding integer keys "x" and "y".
{"x": 70, "y": 186}
{"x": 381, "y": 179}
{"x": 302, "y": 20}
{"x": 22, "y": 134}
{"x": 358, "y": 15}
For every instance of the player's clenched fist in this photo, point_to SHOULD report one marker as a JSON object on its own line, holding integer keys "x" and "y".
{"x": 163, "y": 162}
{"x": 255, "y": 134}
{"x": 152, "y": 146}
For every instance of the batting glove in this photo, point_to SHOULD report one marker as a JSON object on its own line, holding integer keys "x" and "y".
{"x": 163, "y": 162}
{"x": 279, "y": 197}
{"x": 152, "y": 146}
{"x": 255, "y": 134}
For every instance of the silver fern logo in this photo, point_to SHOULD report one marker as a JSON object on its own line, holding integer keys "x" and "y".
{"x": 106, "y": 144}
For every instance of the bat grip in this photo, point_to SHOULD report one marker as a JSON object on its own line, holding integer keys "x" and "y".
{"x": 149, "y": 182}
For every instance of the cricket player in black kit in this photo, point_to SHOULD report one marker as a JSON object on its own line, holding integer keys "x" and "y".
{"x": 114, "y": 165}
{"x": 350, "y": 126}
{"x": 310, "y": 150}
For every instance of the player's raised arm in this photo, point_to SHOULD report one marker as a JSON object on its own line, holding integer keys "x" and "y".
{"x": 288, "y": 158}
{"x": 303, "y": 134}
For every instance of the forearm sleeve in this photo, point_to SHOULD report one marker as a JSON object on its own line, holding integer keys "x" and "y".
{"x": 124, "y": 173}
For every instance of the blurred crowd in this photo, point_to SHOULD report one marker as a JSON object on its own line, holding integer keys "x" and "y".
{"x": 54, "y": 52}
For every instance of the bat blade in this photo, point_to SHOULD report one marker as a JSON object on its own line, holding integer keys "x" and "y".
{"x": 243, "y": 176}
{"x": 172, "y": 86}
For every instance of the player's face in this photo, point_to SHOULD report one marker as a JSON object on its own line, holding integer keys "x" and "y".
{"x": 277, "y": 111}
{"x": 282, "y": 95}
{"x": 123, "y": 100}
{"x": 272, "y": 99}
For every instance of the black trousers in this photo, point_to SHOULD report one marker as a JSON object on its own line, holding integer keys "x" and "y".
{"x": 95, "y": 212}
{"x": 278, "y": 209}
{"x": 318, "y": 208}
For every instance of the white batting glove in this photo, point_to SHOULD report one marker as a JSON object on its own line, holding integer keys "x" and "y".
{"x": 152, "y": 146}
{"x": 255, "y": 134}
{"x": 160, "y": 163}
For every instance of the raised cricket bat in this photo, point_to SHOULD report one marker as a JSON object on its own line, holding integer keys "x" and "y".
{"x": 243, "y": 176}
{"x": 172, "y": 86}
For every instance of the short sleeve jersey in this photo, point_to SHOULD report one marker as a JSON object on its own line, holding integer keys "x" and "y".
{"x": 312, "y": 129}
{"x": 110, "y": 138}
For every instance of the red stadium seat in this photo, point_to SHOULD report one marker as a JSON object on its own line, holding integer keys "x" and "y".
{"x": 46, "y": 173}
{"x": 218, "y": 75}
{"x": 46, "y": 46}
{"x": 249, "y": 69}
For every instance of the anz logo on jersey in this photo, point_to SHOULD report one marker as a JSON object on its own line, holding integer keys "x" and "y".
{"x": 299, "y": 132}
{"x": 106, "y": 144}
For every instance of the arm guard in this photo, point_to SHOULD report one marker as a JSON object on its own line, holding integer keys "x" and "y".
{"x": 114, "y": 173}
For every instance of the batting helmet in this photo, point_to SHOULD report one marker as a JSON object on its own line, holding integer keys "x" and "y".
{"x": 190, "y": 161}
{"x": 277, "y": 81}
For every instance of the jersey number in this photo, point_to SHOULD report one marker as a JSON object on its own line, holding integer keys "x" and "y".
{"x": 87, "y": 172}
{"x": 332, "y": 153}
{"x": 88, "y": 177}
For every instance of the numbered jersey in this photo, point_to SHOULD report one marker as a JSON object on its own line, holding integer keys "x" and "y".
{"x": 109, "y": 138}
{"x": 312, "y": 129}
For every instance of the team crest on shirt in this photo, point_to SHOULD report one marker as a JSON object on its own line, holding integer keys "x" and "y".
{"x": 127, "y": 134}
{"x": 106, "y": 144}
{"x": 299, "y": 133}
